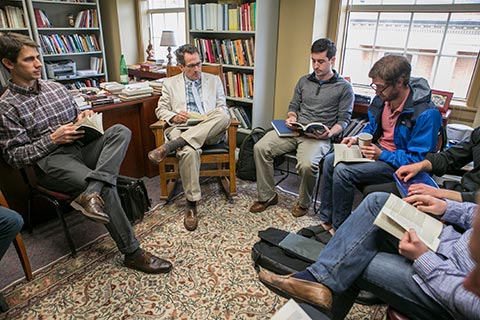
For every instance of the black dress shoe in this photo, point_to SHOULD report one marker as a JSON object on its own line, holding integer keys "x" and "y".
{"x": 91, "y": 206}
{"x": 148, "y": 263}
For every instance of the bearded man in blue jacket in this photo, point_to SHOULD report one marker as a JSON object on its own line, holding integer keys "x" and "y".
{"x": 404, "y": 124}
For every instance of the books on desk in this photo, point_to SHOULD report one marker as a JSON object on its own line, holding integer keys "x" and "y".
{"x": 397, "y": 216}
{"x": 421, "y": 177}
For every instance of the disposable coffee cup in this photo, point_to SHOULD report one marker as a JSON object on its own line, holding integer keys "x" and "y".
{"x": 364, "y": 139}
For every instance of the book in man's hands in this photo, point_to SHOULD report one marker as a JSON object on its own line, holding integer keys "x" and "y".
{"x": 312, "y": 127}
{"x": 282, "y": 130}
{"x": 194, "y": 118}
{"x": 343, "y": 153}
{"x": 421, "y": 177}
{"x": 93, "y": 127}
{"x": 397, "y": 216}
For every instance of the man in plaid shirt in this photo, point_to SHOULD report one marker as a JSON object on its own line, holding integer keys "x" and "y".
{"x": 37, "y": 128}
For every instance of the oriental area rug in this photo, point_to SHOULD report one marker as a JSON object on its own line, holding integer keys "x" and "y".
{"x": 213, "y": 275}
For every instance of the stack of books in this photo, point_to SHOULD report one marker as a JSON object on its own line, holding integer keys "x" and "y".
{"x": 112, "y": 87}
{"x": 156, "y": 86}
{"x": 136, "y": 91}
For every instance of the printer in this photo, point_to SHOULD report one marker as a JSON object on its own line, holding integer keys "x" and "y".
{"x": 61, "y": 69}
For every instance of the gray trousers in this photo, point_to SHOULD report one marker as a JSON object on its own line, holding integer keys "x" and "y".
{"x": 309, "y": 154}
{"x": 209, "y": 131}
{"x": 70, "y": 168}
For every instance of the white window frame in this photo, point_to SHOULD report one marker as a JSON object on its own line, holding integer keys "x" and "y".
{"x": 473, "y": 98}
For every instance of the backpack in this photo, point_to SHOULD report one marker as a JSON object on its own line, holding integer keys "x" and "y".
{"x": 246, "y": 162}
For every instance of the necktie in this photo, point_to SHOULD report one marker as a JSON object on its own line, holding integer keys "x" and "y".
{"x": 196, "y": 97}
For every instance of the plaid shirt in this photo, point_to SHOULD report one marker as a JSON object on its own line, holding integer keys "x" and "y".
{"x": 28, "y": 117}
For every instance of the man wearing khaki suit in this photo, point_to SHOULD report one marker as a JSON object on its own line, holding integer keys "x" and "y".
{"x": 191, "y": 92}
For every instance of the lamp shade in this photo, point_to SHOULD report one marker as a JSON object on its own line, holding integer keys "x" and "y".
{"x": 168, "y": 39}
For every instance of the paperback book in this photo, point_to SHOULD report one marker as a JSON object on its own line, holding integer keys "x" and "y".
{"x": 313, "y": 127}
{"x": 421, "y": 177}
{"x": 194, "y": 118}
{"x": 343, "y": 153}
{"x": 93, "y": 127}
{"x": 398, "y": 216}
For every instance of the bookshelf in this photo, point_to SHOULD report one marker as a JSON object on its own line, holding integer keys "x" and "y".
{"x": 69, "y": 33}
{"x": 222, "y": 36}
{"x": 13, "y": 18}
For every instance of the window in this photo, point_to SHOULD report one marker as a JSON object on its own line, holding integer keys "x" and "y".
{"x": 166, "y": 15}
{"x": 441, "y": 38}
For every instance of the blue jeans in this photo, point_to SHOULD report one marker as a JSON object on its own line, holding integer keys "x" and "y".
{"x": 352, "y": 261}
{"x": 70, "y": 168}
{"x": 10, "y": 225}
{"x": 339, "y": 184}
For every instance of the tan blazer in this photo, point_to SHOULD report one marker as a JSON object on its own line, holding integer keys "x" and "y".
{"x": 173, "y": 99}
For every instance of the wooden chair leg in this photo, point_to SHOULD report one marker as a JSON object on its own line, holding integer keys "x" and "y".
{"x": 22, "y": 254}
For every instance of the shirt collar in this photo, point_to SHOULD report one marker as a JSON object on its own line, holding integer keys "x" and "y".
{"x": 332, "y": 79}
{"x": 22, "y": 89}
{"x": 188, "y": 81}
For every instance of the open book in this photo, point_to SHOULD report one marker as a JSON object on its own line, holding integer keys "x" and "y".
{"x": 93, "y": 127}
{"x": 313, "y": 127}
{"x": 398, "y": 216}
{"x": 194, "y": 118}
{"x": 421, "y": 177}
{"x": 348, "y": 154}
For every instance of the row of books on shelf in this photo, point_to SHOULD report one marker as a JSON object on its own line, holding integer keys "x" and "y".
{"x": 84, "y": 83}
{"x": 237, "y": 52}
{"x": 84, "y": 19}
{"x": 71, "y": 43}
{"x": 239, "y": 113}
{"x": 12, "y": 17}
{"x": 238, "y": 85}
{"x": 96, "y": 63}
{"x": 216, "y": 16}
{"x": 355, "y": 126}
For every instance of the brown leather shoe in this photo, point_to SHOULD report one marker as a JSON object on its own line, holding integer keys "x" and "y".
{"x": 157, "y": 155}
{"x": 298, "y": 210}
{"x": 148, "y": 263}
{"x": 190, "y": 221}
{"x": 91, "y": 206}
{"x": 306, "y": 291}
{"x": 260, "y": 206}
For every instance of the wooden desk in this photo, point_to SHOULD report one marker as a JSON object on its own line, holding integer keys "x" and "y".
{"x": 147, "y": 75}
{"x": 136, "y": 115}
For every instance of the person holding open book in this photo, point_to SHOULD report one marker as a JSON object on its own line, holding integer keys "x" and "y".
{"x": 404, "y": 124}
{"x": 452, "y": 159}
{"x": 405, "y": 274}
{"x": 322, "y": 96}
{"x": 190, "y": 93}
{"x": 37, "y": 128}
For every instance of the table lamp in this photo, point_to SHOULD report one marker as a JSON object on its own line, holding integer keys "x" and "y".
{"x": 168, "y": 40}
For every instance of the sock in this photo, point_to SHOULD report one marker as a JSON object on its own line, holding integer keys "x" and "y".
{"x": 191, "y": 204}
{"x": 305, "y": 275}
{"x": 175, "y": 144}
{"x": 94, "y": 186}
{"x": 134, "y": 254}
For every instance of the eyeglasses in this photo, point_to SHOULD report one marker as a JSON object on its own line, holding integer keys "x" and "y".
{"x": 379, "y": 89}
{"x": 193, "y": 65}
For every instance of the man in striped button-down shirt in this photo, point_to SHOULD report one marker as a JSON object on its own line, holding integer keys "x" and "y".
{"x": 37, "y": 129}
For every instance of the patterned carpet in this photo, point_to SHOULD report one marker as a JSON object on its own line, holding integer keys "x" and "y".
{"x": 213, "y": 277}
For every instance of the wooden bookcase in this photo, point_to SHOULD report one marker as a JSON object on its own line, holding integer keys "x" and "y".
{"x": 60, "y": 41}
{"x": 259, "y": 107}
{"x": 13, "y": 24}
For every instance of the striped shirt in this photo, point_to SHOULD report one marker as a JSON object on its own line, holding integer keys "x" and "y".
{"x": 29, "y": 116}
{"x": 441, "y": 274}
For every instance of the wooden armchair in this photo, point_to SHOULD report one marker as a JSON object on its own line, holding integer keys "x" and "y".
{"x": 19, "y": 246}
{"x": 223, "y": 154}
